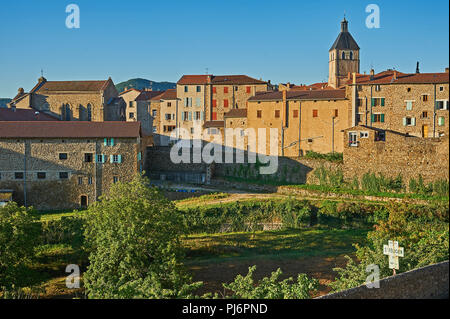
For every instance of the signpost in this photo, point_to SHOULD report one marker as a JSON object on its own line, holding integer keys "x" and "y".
{"x": 393, "y": 251}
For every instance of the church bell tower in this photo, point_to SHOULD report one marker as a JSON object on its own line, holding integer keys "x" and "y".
{"x": 343, "y": 57}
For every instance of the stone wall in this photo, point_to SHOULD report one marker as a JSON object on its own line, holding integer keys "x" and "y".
{"x": 429, "y": 282}
{"x": 88, "y": 179}
{"x": 398, "y": 154}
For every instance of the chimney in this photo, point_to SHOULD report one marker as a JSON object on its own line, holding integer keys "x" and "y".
{"x": 21, "y": 91}
{"x": 208, "y": 79}
{"x": 354, "y": 77}
{"x": 42, "y": 79}
{"x": 446, "y": 70}
{"x": 372, "y": 74}
{"x": 395, "y": 75}
{"x": 417, "y": 68}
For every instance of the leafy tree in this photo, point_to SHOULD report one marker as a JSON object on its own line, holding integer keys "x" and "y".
{"x": 133, "y": 235}
{"x": 424, "y": 236}
{"x": 18, "y": 237}
{"x": 270, "y": 287}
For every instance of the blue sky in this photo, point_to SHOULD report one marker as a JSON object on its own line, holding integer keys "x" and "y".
{"x": 161, "y": 40}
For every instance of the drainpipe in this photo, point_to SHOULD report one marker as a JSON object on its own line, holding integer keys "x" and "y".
{"x": 434, "y": 112}
{"x": 371, "y": 97}
{"x": 25, "y": 173}
{"x": 332, "y": 135}
{"x": 299, "y": 126}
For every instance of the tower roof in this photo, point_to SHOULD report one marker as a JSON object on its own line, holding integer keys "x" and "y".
{"x": 344, "y": 40}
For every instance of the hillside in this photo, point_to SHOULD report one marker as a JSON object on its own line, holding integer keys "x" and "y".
{"x": 4, "y": 101}
{"x": 141, "y": 84}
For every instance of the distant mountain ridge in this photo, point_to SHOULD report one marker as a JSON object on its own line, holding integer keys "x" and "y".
{"x": 4, "y": 102}
{"x": 141, "y": 84}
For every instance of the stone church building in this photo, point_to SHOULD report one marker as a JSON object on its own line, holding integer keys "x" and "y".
{"x": 95, "y": 101}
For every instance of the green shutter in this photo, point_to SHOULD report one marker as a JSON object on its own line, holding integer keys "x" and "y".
{"x": 103, "y": 158}
{"x": 112, "y": 142}
{"x": 105, "y": 142}
{"x": 373, "y": 102}
{"x": 373, "y": 118}
{"x": 119, "y": 158}
{"x": 382, "y": 118}
{"x": 382, "y": 102}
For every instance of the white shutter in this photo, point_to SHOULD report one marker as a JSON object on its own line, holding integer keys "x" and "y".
{"x": 404, "y": 121}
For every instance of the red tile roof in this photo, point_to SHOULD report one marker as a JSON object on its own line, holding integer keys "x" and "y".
{"x": 24, "y": 115}
{"x": 219, "y": 80}
{"x": 300, "y": 95}
{"x": 315, "y": 86}
{"x": 214, "y": 124}
{"x": 235, "y": 80}
{"x": 70, "y": 86}
{"x": 63, "y": 129}
{"x": 194, "y": 79}
{"x": 236, "y": 113}
{"x": 129, "y": 90}
{"x": 170, "y": 94}
{"x": 387, "y": 77}
{"x": 147, "y": 95}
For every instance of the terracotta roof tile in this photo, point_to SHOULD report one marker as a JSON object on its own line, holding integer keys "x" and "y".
{"x": 236, "y": 113}
{"x": 63, "y": 129}
{"x": 214, "y": 124}
{"x": 148, "y": 95}
{"x": 219, "y": 80}
{"x": 300, "y": 95}
{"x": 170, "y": 94}
{"x": 387, "y": 77}
{"x": 24, "y": 115}
{"x": 193, "y": 79}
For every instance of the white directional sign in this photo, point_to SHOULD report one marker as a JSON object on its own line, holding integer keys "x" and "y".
{"x": 393, "y": 251}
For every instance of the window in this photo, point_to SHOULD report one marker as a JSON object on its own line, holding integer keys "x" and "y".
{"x": 63, "y": 175}
{"x": 408, "y": 90}
{"x": 198, "y": 102}
{"x": 351, "y": 55}
{"x": 154, "y": 129}
{"x": 115, "y": 179}
{"x": 130, "y": 104}
{"x": 225, "y": 89}
{"x": 425, "y": 98}
{"x": 18, "y": 175}
{"x": 315, "y": 113}
{"x": 186, "y": 89}
{"x": 378, "y": 118}
{"x": 380, "y": 136}
{"x": 41, "y": 175}
{"x": 213, "y": 131}
{"x": 378, "y": 101}
{"x": 441, "y": 105}
{"x": 90, "y": 180}
{"x": 89, "y": 112}
{"x": 277, "y": 114}
{"x": 259, "y": 114}
{"x": 214, "y": 103}
{"x": 225, "y": 103}
{"x": 377, "y": 88}
{"x": 108, "y": 142}
{"x": 131, "y": 115}
{"x": 187, "y": 101}
{"x": 248, "y": 89}
{"x": 154, "y": 113}
{"x": 441, "y": 88}
{"x": 116, "y": 159}
{"x": 168, "y": 116}
{"x": 364, "y": 134}
{"x": 424, "y": 114}
{"x": 343, "y": 55}
{"x": 199, "y": 88}
{"x": 192, "y": 130}
{"x": 101, "y": 158}
{"x": 62, "y": 156}
{"x": 80, "y": 180}
{"x": 441, "y": 121}
{"x": 169, "y": 104}
{"x": 336, "y": 113}
{"x": 214, "y": 90}
{"x": 197, "y": 116}
{"x": 184, "y": 116}
{"x": 352, "y": 139}
{"x": 236, "y": 88}
{"x": 214, "y": 116}
{"x": 409, "y": 105}
{"x": 295, "y": 113}
{"x": 409, "y": 121}
{"x": 83, "y": 201}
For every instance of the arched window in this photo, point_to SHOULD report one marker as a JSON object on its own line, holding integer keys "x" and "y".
{"x": 343, "y": 55}
{"x": 351, "y": 55}
{"x": 89, "y": 112}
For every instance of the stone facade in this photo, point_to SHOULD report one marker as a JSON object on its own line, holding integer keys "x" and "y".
{"x": 95, "y": 101}
{"x": 391, "y": 154}
{"x": 65, "y": 173}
